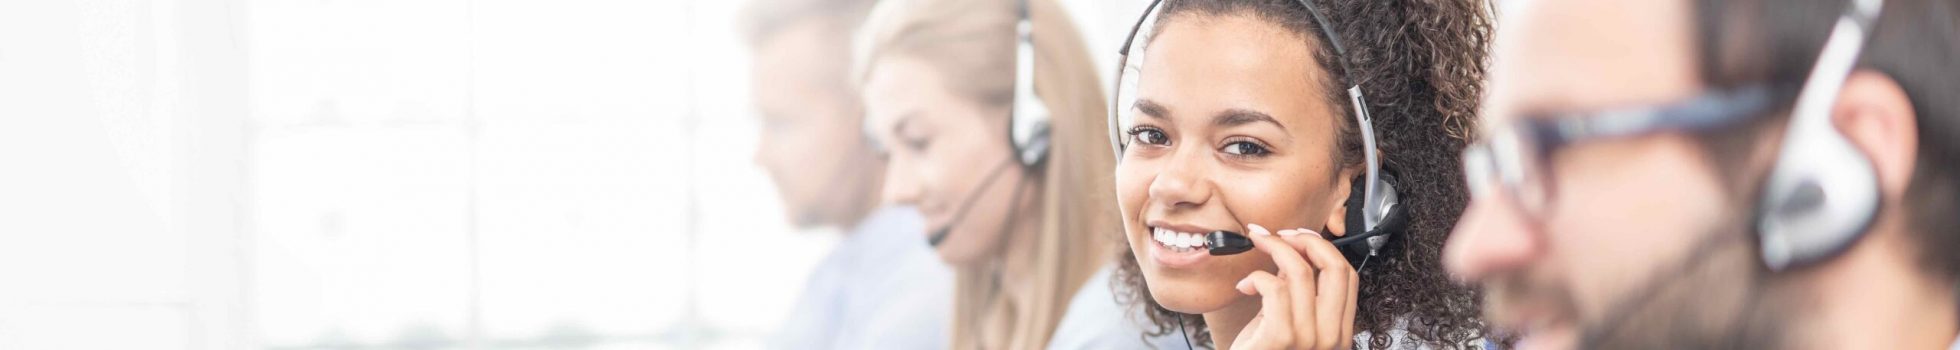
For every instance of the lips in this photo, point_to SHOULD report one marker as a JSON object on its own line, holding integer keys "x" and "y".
{"x": 1177, "y": 246}
{"x": 1547, "y": 337}
{"x": 1535, "y": 326}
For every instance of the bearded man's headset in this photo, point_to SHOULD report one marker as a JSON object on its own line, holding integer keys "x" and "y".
{"x": 1823, "y": 192}
{"x": 1373, "y": 216}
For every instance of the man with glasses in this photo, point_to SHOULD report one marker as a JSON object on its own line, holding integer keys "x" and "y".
{"x": 1681, "y": 174}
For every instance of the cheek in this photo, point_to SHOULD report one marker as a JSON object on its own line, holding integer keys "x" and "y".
{"x": 1133, "y": 187}
{"x": 1626, "y": 209}
{"x": 1278, "y": 201}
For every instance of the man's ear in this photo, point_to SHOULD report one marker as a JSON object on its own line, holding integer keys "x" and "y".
{"x": 1876, "y": 115}
{"x": 1337, "y": 218}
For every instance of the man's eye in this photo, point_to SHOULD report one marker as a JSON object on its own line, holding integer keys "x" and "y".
{"x": 1245, "y": 148}
{"x": 1149, "y": 136}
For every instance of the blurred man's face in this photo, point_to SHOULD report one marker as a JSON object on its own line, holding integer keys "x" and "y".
{"x": 811, "y": 144}
{"x": 1607, "y": 263}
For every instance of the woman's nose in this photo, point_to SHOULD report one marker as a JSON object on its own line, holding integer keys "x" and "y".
{"x": 901, "y": 185}
{"x": 1183, "y": 182}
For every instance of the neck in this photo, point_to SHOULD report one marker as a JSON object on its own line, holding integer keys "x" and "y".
{"x": 1017, "y": 266}
{"x": 1225, "y": 324}
{"x": 1878, "y": 297}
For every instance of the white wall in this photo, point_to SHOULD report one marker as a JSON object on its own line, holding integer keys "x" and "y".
{"x": 229, "y": 174}
{"x": 212, "y": 174}
{"x": 120, "y": 134}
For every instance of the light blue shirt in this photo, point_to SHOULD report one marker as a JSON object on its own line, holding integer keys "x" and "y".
{"x": 882, "y": 287}
{"x": 1095, "y": 320}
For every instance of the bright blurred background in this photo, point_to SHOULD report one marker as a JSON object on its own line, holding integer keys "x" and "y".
{"x": 377, "y": 174}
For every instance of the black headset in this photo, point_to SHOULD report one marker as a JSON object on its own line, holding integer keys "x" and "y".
{"x": 1373, "y": 216}
{"x": 1823, "y": 193}
{"x": 1027, "y": 123}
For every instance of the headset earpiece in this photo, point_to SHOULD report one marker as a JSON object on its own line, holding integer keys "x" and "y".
{"x": 1823, "y": 193}
{"x": 1028, "y": 123}
{"x": 1361, "y": 241}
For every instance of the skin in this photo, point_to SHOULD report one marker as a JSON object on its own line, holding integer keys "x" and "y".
{"x": 810, "y": 145}
{"x": 942, "y": 146}
{"x": 1624, "y": 214}
{"x": 1229, "y": 136}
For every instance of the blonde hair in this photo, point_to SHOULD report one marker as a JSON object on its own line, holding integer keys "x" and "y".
{"x": 972, "y": 42}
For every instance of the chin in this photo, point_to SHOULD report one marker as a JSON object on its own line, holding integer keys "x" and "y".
{"x": 1184, "y": 295}
{"x": 960, "y": 251}
{"x": 951, "y": 256}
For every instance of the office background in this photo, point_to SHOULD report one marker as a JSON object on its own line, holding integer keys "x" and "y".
{"x": 371, "y": 174}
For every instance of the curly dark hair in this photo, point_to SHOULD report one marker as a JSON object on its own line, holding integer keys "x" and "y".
{"x": 1421, "y": 65}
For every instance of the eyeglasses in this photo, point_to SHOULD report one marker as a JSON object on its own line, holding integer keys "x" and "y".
{"x": 1513, "y": 157}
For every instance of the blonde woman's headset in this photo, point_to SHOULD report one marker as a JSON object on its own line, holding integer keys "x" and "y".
{"x": 1028, "y": 125}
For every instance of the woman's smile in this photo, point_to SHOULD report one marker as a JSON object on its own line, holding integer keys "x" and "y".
{"x": 1178, "y": 246}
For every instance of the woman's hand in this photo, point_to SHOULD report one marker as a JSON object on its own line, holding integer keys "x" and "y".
{"x": 1309, "y": 304}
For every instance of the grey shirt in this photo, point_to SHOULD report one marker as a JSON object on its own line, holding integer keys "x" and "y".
{"x": 881, "y": 288}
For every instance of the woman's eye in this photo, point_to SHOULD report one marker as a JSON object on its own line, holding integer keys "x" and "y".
{"x": 1245, "y": 148}
{"x": 917, "y": 144}
{"x": 1149, "y": 136}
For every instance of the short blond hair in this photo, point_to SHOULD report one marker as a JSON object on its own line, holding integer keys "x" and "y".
{"x": 763, "y": 19}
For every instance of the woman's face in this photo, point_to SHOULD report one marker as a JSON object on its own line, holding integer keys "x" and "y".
{"x": 1230, "y": 129}
{"x": 942, "y": 146}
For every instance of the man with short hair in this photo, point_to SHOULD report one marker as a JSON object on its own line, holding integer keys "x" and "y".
{"x": 881, "y": 287}
{"x": 1680, "y": 174}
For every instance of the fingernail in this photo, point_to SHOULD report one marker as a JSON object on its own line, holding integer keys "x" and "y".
{"x": 1257, "y": 230}
{"x": 1242, "y": 284}
{"x": 1315, "y": 233}
{"x": 1289, "y": 233}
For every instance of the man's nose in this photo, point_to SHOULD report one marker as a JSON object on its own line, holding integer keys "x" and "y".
{"x": 1491, "y": 238}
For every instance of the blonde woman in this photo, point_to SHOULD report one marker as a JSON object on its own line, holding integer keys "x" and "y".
{"x": 1022, "y": 224}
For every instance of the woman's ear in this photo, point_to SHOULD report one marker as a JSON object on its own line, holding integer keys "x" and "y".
{"x": 1337, "y": 218}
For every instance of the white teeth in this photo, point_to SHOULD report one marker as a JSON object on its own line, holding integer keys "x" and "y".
{"x": 1177, "y": 241}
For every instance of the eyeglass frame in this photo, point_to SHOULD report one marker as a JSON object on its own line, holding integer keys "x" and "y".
{"x": 1514, "y": 157}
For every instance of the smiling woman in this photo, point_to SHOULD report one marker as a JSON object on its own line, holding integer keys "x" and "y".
{"x": 1025, "y": 240}
{"x": 1241, "y": 122}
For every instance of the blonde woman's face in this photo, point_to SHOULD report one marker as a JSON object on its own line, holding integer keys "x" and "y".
{"x": 1229, "y": 130}
{"x": 941, "y": 149}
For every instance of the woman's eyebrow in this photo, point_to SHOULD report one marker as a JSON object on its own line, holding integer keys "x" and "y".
{"x": 1152, "y": 109}
{"x": 1236, "y": 117}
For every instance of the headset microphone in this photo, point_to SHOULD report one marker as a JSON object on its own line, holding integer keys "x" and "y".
{"x": 1027, "y": 126}
{"x": 939, "y": 235}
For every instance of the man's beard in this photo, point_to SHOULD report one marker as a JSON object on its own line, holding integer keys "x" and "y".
{"x": 1718, "y": 296}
